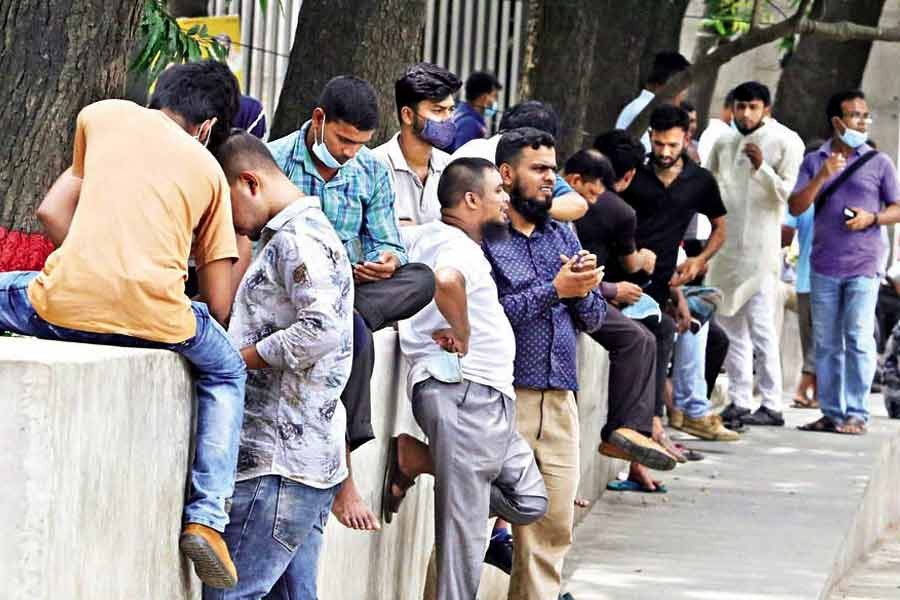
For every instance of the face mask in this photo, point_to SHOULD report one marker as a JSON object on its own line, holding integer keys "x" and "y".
{"x": 490, "y": 111}
{"x": 322, "y": 153}
{"x": 439, "y": 134}
{"x": 208, "y": 133}
{"x": 854, "y": 138}
{"x": 734, "y": 125}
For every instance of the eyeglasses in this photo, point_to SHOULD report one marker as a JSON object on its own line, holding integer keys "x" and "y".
{"x": 859, "y": 117}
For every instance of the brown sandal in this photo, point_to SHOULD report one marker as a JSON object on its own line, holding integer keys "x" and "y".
{"x": 393, "y": 476}
{"x": 824, "y": 425}
{"x": 803, "y": 402}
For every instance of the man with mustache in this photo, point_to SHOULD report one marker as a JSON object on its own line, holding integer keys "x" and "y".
{"x": 548, "y": 289}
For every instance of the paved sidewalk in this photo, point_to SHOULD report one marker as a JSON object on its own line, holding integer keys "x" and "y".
{"x": 877, "y": 577}
{"x": 757, "y": 519}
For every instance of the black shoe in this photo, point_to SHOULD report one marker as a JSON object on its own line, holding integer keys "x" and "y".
{"x": 733, "y": 412}
{"x": 566, "y": 596}
{"x": 764, "y": 416}
{"x": 500, "y": 551}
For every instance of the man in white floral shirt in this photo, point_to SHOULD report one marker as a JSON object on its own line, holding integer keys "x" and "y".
{"x": 293, "y": 321}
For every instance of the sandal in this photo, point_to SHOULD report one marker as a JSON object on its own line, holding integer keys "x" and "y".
{"x": 803, "y": 402}
{"x": 689, "y": 454}
{"x": 822, "y": 425}
{"x": 393, "y": 476}
{"x": 633, "y": 486}
{"x": 852, "y": 426}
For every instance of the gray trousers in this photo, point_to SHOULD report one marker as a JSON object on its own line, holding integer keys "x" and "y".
{"x": 807, "y": 340}
{"x": 482, "y": 467}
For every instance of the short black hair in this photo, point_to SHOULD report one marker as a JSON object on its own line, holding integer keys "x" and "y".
{"x": 665, "y": 66}
{"x": 199, "y": 91}
{"x": 424, "y": 81}
{"x": 531, "y": 113}
{"x": 622, "y": 149}
{"x": 512, "y": 142}
{"x": 834, "y": 108}
{"x": 592, "y": 165}
{"x": 351, "y": 100}
{"x": 479, "y": 83}
{"x": 243, "y": 151}
{"x": 461, "y": 176}
{"x": 750, "y": 91}
{"x": 687, "y": 106}
{"x": 665, "y": 117}
{"x": 729, "y": 99}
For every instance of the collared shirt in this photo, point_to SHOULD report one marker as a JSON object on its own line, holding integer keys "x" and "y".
{"x": 295, "y": 303}
{"x": 837, "y": 251}
{"x": 470, "y": 125}
{"x": 545, "y": 326}
{"x": 755, "y": 199}
{"x": 487, "y": 149}
{"x": 632, "y": 110}
{"x": 415, "y": 202}
{"x": 359, "y": 200}
{"x": 663, "y": 214}
{"x": 804, "y": 224}
{"x": 492, "y": 345}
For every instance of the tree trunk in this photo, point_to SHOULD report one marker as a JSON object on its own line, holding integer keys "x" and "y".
{"x": 56, "y": 57}
{"x": 702, "y": 90}
{"x": 630, "y": 33}
{"x": 561, "y": 42}
{"x": 189, "y": 8}
{"x": 371, "y": 39}
{"x": 820, "y": 67}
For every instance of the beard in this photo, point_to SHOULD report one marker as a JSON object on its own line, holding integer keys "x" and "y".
{"x": 533, "y": 210}
{"x": 663, "y": 162}
{"x": 744, "y": 130}
{"x": 494, "y": 231}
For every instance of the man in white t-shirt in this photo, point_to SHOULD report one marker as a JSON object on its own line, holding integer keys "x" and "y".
{"x": 461, "y": 349}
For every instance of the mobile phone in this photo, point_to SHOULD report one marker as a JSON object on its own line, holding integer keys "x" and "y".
{"x": 849, "y": 213}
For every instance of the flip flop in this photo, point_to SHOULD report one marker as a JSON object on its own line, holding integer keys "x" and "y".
{"x": 617, "y": 485}
{"x": 822, "y": 425}
{"x": 689, "y": 454}
{"x": 390, "y": 503}
{"x": 800, "y": 402}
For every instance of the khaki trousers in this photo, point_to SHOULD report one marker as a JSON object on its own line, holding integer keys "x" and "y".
{"x": 548, "y": 420}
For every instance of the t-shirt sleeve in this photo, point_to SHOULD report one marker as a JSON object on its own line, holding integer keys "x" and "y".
{"x": 889, "y": 189}
{"x": 451, "y": 256}
{"x": 560, "y": 186}
{"x": 626, "y": 221}
{"x": 80, "y": 144}
{"x": 806, "y": 172}
{"x": 214, "y": 237}
{"x": 712, "y": 205}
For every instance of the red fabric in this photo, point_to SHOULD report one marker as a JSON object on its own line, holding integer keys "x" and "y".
{"x": 23, "y": 251}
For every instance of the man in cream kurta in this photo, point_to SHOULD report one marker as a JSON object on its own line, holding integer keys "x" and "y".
{"x": 756, "y": 167}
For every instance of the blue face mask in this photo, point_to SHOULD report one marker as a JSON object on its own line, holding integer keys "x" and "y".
{"x": 321, "y": 151}
{"x": 854, "y": 138}
{"x": 439, "y": 134}
{"x": 490, "y": 111}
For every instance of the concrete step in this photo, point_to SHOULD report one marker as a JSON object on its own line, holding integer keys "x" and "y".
{"x": 877, "y": 576}
{"x": 781, "y": 514}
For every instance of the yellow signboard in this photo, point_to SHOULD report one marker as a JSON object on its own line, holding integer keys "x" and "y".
{"x": 227, "y": 30}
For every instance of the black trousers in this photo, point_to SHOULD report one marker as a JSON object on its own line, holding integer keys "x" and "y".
{"x": 379, "y": 303}
{"x": 716, "y": 351}
{"x": 887, "y": 314}
{"x": 632, "y": 373}
{"x": 664, "y": 331}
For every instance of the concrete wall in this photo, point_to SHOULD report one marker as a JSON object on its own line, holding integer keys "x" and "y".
{"x": 94, "y": 447}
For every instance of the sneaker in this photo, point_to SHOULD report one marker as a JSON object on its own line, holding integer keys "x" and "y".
{"x": 207, "y": 550}
{"x": 709, "y": 428}
{"x": 632, "y": 446}
{"x": 676, "y": 418}
{"x": 764, "y": 416}
{"x": 500, "y": 551}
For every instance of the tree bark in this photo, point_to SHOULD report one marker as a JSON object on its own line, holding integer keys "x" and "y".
{"x": 371, "y": 39}
{"x": 630, "y": 33}
{"x": 189, "y": 8}
{"x": 821, "y": 66}
{"x": 56, "y": 57}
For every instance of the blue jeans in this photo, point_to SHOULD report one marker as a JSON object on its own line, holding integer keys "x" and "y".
{"x": 275, "y": 537}
{"x": 689, "y": 373}
{"x": 843, "y": 314}
{"x": 220, "y": 375}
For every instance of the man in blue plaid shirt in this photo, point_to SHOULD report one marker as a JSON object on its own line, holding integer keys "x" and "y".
{"x": 327, "y": 158}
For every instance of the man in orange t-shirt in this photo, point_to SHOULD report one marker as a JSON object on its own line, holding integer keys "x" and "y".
{"x": 123, "y": 216}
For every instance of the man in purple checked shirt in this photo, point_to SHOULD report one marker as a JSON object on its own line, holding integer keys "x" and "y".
{"x": 846, "y": 258}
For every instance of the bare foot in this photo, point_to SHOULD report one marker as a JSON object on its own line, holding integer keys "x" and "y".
{"x": 351, "y": 510}
{"x": 658, "y": 430}
{"x": 639, "y": 474}
{"x": 582, "y": 502}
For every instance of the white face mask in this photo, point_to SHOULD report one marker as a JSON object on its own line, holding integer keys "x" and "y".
{"x": 212, "y": 122}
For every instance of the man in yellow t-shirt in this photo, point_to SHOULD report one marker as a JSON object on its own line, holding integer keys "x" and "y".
{"x": 123, "y": 216}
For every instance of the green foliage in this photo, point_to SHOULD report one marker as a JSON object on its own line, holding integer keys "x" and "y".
{"x": 730, "y": 18}
{"x": 164, "y": 42}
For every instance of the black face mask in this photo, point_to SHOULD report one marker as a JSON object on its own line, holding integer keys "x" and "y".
{"x": 532, "y": 210}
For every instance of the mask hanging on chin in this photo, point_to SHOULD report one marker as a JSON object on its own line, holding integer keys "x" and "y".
{"x": 321, "y": 150}
{"x": 854, "y": 138}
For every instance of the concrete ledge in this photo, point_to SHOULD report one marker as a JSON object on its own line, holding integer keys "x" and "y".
{"x": 94, "y": 451}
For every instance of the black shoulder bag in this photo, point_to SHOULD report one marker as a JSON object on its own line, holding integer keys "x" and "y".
{"x": 825, "y": 194}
